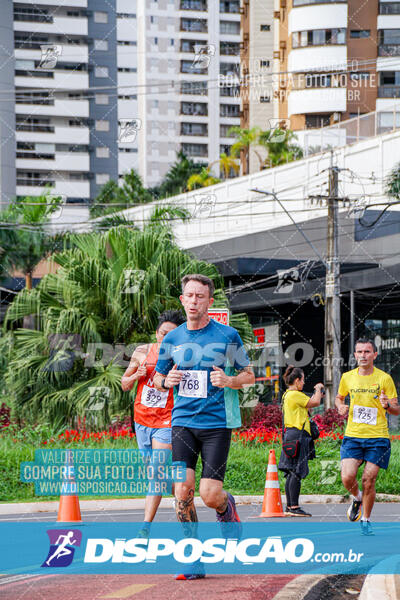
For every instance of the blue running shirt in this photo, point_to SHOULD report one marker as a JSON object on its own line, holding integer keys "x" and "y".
{"x": 198, "y": 350}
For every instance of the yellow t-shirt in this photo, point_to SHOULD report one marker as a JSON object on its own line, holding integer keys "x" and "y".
{"x": 295, "y": 411}
{"x": 367, "y": 417}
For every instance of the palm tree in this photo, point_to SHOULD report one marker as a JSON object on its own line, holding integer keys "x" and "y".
{"x": 226, "y": 165}
{"x": 24, "y": 239}
{"x": 246, "y": 139}
{"x": 279, "y": 145}
{"x": 113, "y": 198}
{"x": 175, "y": 180}
{"x": 202, "y": 179}
{"x": 109, "y": 290}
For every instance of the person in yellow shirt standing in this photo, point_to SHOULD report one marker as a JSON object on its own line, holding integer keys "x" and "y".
{"x": 297, "y": 444}
{"x": 372, "y": 394}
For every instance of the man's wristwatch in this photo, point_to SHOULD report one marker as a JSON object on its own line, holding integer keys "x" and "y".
{"x": 163, "y": 386}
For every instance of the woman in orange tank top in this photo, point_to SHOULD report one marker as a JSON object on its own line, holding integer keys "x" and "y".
{"x": 152, "y": 408}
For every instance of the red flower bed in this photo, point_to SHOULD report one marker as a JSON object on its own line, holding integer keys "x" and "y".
{"x": 75, "y": 435}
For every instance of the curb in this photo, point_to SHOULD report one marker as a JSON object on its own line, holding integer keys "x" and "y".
{"x": 298, "y": 588}
{"x": 107, "y": 505}
{"x": 382, "y": 586}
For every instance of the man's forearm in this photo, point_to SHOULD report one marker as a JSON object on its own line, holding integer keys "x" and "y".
{"x": 236, "y": 382}
{"x": 339, "y": 401}
{"x": 394, "y": 407}
{"x": 157, "y": 381}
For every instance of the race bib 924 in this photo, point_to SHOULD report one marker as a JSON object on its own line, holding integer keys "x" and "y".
{"x": 193, "y": 384}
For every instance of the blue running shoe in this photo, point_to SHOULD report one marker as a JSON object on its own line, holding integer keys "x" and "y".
{"x": 366, "y": 528}
{"x": 230, "y": 516}
{"x": 194, "y": 571}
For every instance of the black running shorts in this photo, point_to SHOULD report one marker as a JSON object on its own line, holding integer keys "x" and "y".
{"x": 212, "y": 445}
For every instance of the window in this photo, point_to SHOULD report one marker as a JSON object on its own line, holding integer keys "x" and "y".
{"x": 187, "y": 66}
{"x": 229, "y": 69}
{"x": 317, "y": 121}
{"x": 229, "y": 27}
{"x": 359, "y": 76}
{"x": 194, "y": 108}
{"x": 195, "y": 149}
{"x": 229, "y": 110}
{"x": 360, "y": 33}
{"x": 266, "y": 99}
{"x": 264, "y": 63}
{"x": 194, "y": 25}
{"x": 224, "y": 130}
{"x": 101, "y": 71}
{"x": 102, "y": 125}
{"x": 232, "y": 91}
{"x": 229, "y": 48}
{"x": 389, "y": 8}
{"x": 172, "y": 42}
{"x": 265, "y": 27}
{"x": 194, "y": 87}
{"x": 102, "y": 178}
{"x": 194, "y": 129}
{"x": 126, "y": 70}
{"x": 100, "y": 17}
{"x": 229, "y": 6}
{"x": 154, "y": 103}
{"x": 389, "y": 36}
{"x": 100, "y": 45}
{"x": 101, "y": 98}
{"x": 318, "y": 37}
{"x": 225, "y": 149}
{"x": 193, "y": 5}
{"x": 155, "y": 40}
{"x": 389, "y": 78}
{"x": 128, "y": 97}
{"x": 126, "y": 43}
{"x": 102, "y": 152}
{"x": 322, "y": 80}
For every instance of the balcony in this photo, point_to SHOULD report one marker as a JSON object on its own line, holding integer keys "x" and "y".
{"x": 389, "y": 50}
{"x": 64, "y": 25}
{"x": 194, "y": 25}
{"x": 389, "y": 91}
{"x": 58, "y": 134}
{"x": 229, "y": 6}
{"x": 61, "y": 161}
{"x": 193, "y": 5}
{"x": 318, "y": 100}
{"x": 53, "y": 107}
{"x": 69, "y": 52}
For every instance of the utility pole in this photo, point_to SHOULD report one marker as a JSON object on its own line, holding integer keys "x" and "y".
{"x": 332, "y": 293}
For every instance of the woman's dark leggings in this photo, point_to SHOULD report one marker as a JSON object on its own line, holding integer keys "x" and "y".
{"x": 292, "y": 489}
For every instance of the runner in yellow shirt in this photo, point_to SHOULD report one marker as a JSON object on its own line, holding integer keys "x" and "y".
{"x": 372, "y": 395}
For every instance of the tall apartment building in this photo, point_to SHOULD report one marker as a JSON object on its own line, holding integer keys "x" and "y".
{"x": 129, "y": 86}
{"x": 337, "y": 59}
{"x": 257, "y": 51}
{"x": 185, "y": 49}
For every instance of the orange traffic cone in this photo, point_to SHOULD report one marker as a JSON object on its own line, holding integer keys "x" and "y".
{"x": 272, "y": 503}
{"x": 69, "y": 510}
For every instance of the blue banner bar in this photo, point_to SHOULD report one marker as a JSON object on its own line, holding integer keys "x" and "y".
{"x": 262, "y": 548}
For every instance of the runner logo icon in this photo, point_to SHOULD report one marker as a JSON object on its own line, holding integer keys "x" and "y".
{"x": 62, "y": 547}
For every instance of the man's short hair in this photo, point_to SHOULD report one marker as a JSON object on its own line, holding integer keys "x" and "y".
{"x": 202, "y": 279}
{"x": 365, "y": 340}
{"x": 171, "y": 316}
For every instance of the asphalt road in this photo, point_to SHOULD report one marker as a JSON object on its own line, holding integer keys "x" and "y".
{"x": 384, "y": 511}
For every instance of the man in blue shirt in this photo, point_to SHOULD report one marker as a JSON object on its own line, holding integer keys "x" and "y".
{"x": 206, "y": 363}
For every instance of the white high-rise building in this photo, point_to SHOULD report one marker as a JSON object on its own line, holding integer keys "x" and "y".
{"x": 93, "y": 88}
